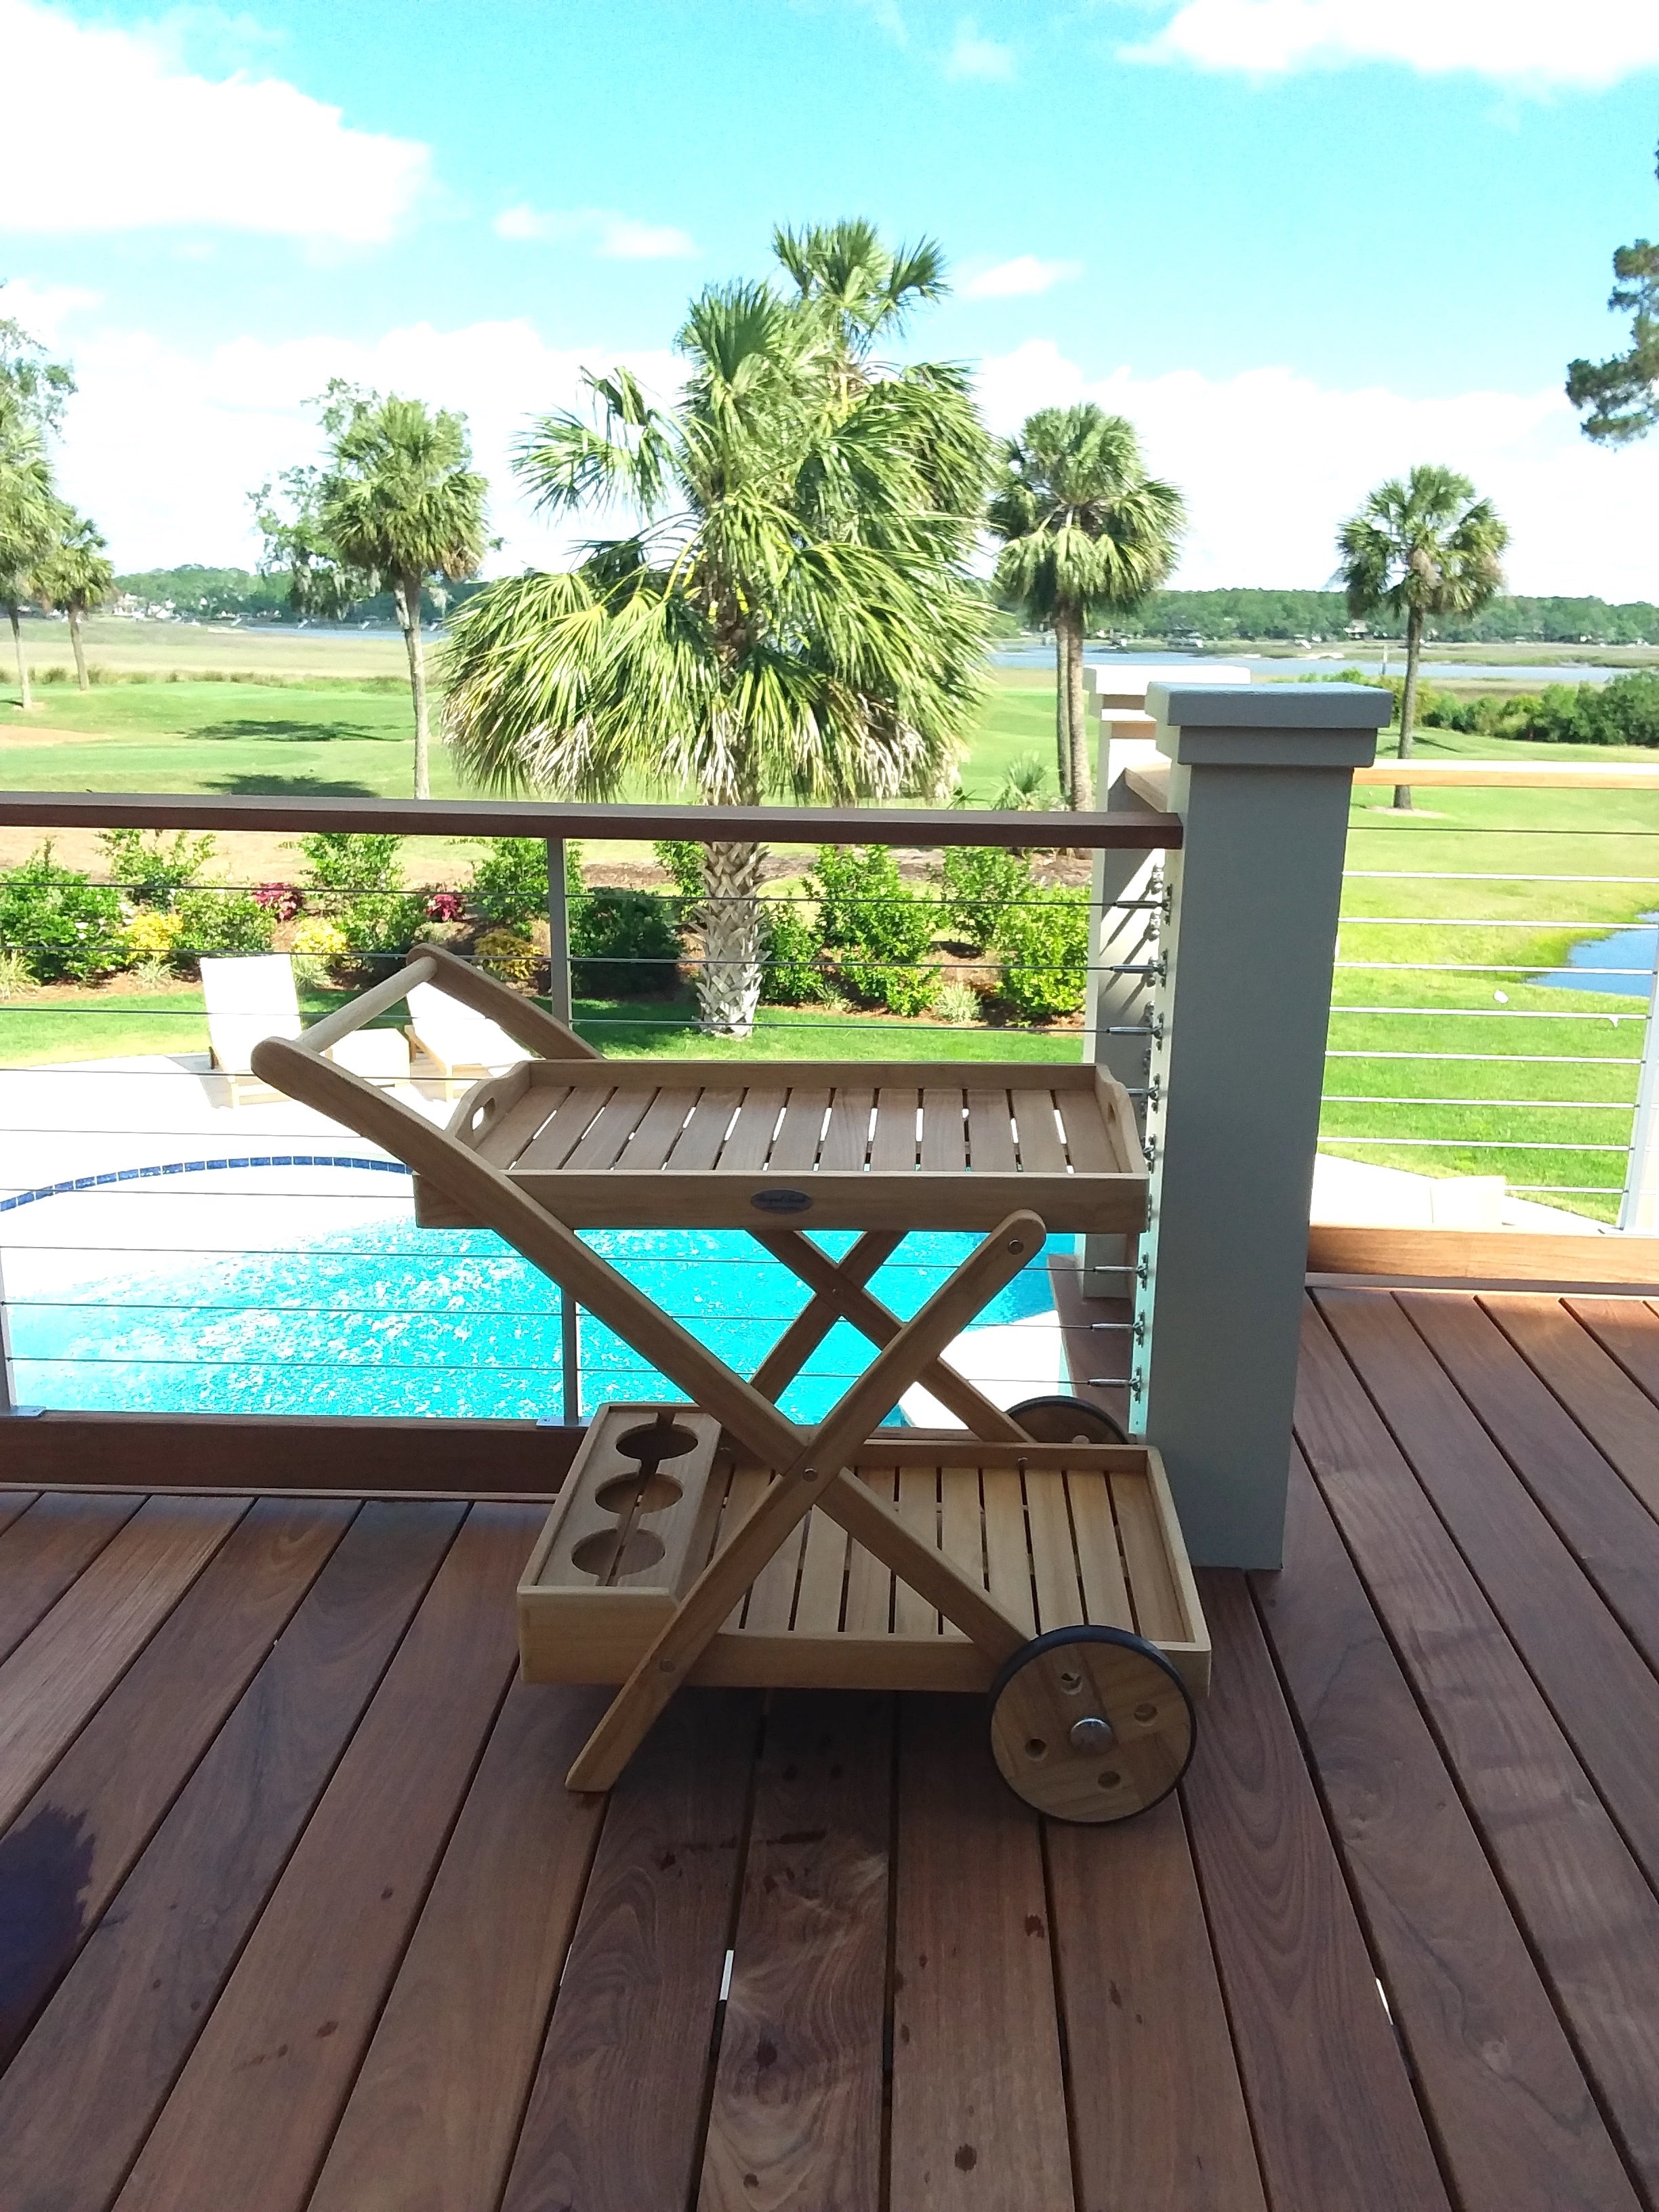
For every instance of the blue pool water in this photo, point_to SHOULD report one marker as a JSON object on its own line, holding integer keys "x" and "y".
{"x": 389, "y": 1319}
{"x": 1627, "y": 948}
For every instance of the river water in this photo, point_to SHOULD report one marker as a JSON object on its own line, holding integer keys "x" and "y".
{"x": 1323, "y": 662}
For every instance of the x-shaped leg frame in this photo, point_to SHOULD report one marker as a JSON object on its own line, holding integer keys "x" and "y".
{"x": 839, "y": 1294}
{"x": 816, "y": 1473}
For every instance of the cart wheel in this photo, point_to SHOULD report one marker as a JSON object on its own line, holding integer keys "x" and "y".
{"x": 1092, "y": 1724}
{"x": 1066, "y": 1421}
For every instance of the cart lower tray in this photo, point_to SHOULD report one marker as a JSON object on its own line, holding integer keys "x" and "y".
{"x": 1058, "y": 1534}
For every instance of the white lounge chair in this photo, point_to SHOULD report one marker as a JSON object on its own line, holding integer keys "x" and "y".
{"x": 381, "y": 1055}
{"x": 464, "y": 1046}
{"x": 248, "y": 1000}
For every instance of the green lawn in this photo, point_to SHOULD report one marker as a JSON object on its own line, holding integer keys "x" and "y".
{"x": 111, "y": 1024}
{"x": 331, "y": 740}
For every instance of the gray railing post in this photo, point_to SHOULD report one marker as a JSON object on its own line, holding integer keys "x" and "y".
{"x": 558, "y": 932}
{"x": 1261, "y": 780}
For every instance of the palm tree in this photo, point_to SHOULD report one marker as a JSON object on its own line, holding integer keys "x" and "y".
{"x": 28, "y": 515}
{"x": 789, "y": 611}
{"x": 845, "y": 275}
{"x": 74, "y": 577}
{"x": 1427, "y": 546}
{"x": 399, "y": 502}
{"x": 1085, "y": 533}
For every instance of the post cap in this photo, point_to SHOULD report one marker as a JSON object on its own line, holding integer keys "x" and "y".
{"x": 1269, "y": 725}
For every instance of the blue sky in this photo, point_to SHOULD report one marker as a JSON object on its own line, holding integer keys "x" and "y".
{"x": 1301, "y": 243}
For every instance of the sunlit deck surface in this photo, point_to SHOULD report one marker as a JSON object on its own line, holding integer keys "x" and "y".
{"x": 294, "y": 1911}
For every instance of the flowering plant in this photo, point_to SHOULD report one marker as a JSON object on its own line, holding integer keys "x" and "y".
{"x": 283, "y": 901}
{"x": 445, "y": 906}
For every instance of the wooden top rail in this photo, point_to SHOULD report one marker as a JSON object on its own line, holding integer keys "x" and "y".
{"x": 1516, "y": 775}
{"x": 492, "y": 818}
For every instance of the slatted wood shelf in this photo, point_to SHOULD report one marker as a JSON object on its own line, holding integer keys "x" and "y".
{"x": 1055, "y": 1534}
{"x": 824, "y": 1145}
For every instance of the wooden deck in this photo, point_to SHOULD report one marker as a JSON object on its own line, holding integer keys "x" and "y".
{"x": 295, "y": 1912}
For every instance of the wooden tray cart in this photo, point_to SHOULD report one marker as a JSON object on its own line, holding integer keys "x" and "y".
{"x": 722, "y": 1542}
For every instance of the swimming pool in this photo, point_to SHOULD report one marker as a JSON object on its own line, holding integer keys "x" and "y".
{"x": 385, "y": 1318}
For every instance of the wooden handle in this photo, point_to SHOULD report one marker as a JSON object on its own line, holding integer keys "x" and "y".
{"x": 525, "y": 1022}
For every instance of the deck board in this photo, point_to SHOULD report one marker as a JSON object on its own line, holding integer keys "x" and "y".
{"x": 295, "y": 1913}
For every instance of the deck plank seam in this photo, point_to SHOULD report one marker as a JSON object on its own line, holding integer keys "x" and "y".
{"x": 1253, "y": 2120}
{"x": 143, "y": 1843}
{"x": 1648, "y": 1874}
{"x": 1540, "y": 1498}
{"x": 728, "y": 1956}
{"x": 1073, "y": 2147}
{"x": 165, "y": 2093}
{"x": 1547, "y": 1977}
{"x": 326, "y": 2136}
{"x": 1611, "y": 1353}
{"x": 1413, "y": 2071}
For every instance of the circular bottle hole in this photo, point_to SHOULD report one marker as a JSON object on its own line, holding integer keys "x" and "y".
{"x": 1035, "y": 1747}
{"x": 608, "y": 1554}
{"x": 650, "y": 1490}
{"x": 656, "y": 1441}
{"x": 1110, "y": 1779}
{"x": 1146, "y": 1711}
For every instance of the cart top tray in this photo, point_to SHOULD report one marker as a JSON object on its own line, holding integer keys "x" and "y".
{"x": 821, "y": 1144}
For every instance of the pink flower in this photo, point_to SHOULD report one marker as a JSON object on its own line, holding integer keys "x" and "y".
{"x": 445, "y": 906}
{"x": 283, "y": 900}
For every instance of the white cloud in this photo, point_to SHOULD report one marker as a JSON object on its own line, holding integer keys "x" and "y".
{"x": 614, "y": 237}
{"x": 162, "y": 445}
{"x": 1517, "y": 42}
{"x": 1272, "y": 462}
{"x": 1019, "y": 278}
{"x": 42, "y": 310}
{"x": 151, "y": 145}
{"x": 973, "y": 56}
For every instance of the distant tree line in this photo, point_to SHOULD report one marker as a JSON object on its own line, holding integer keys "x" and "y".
{"x": 1291, "y": 615}
{"x": 206, "y": 593}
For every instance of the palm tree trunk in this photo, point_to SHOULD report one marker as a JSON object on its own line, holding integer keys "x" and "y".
{"x": 729, "y": 980}
{"x": 78, "y": 642}
{"x": 27, "y": 698}
{"x": 407, "y": 593}
{"x": 1082, "y": 777}
{"x": 1403, "y": 792}
{"x": 1062, "y": 717}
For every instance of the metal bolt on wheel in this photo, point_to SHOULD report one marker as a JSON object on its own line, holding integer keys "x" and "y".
{"x": 1092, "y": 1724}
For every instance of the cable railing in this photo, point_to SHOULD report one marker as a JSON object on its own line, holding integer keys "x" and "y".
{"x": 1485, "y": 1037}
{"x": 169, "y": 1245}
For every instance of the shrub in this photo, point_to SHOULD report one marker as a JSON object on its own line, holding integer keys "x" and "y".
{"x": 382, "y": 924}
{"x": 1026, "y": 787}
{"x": 1624, "y": 712}
{"x": 151, "y": 869}
{"x": 978, "y": 881}
{"x": 220, "y": 923}
{"x": 444, "y": 906}
{"x": 152, "y": 933}
{"x": 318, "y": 943}
{"x": 1044, "y": 942}
{"x": 875, "y": 929}
{"x": 341, "y": 864}
{"x": 16, "y": 982}
{"x": 622, "y": 943}
{"x": 957, "y": 1003}
{"x": 512, "y": 960}
{"x": 63, "y": 927}
{"x": 790, "y": 949}
{"x": 509, "y": 889}
{"x": 281, "y": 901}
{"x": 686, "y": 861}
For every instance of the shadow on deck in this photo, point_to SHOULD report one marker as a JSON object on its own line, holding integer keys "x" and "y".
{"x": 296, "y": 1912}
